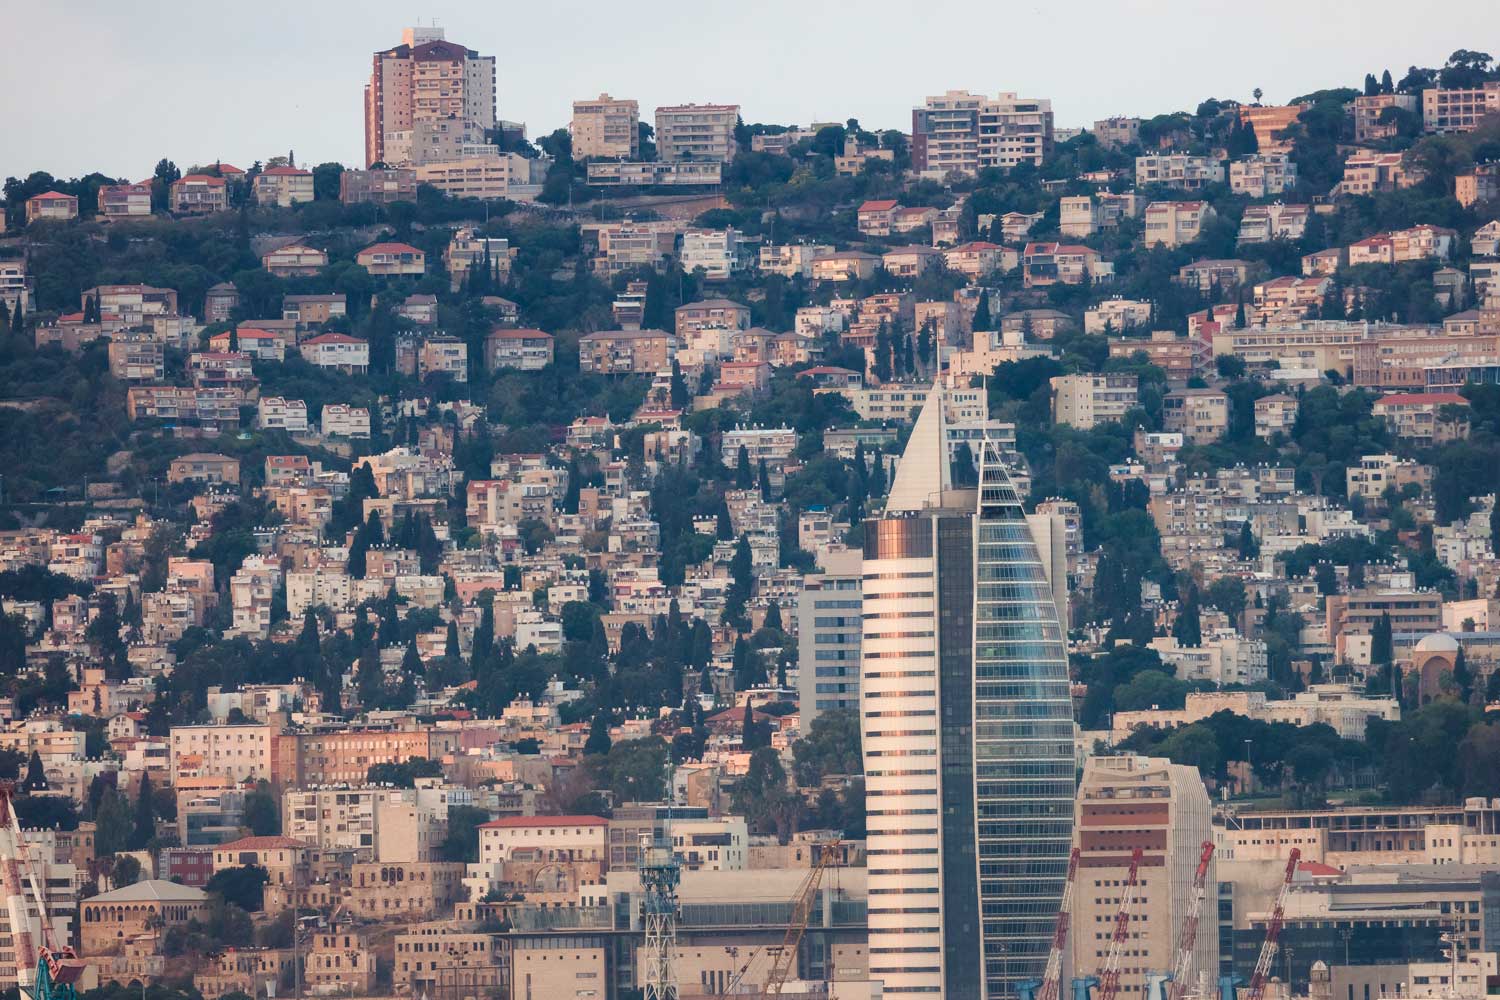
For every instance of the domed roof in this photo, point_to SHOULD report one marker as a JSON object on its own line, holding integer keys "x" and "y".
{"x": 1437, "y": 642}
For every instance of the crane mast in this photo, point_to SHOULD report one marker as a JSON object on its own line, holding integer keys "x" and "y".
{"x": 1110, "y": 977}
{"x": 1187, "y": 938}
{"x": 48, "y": 973}
{"x": 802, "y": 905}
{"x": 1257, "y": 987}
{"x": 1052, "y": 978}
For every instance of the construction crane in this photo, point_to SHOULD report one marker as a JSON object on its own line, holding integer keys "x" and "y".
{"x": 802, "y": 905}
{"x": 1048, "y": 986}
{"x": 47, "y": 973}
{"x": 1109, "y": 978}
{"x": 1257, "y": 987}
{"x": 1187, "y": 937}
{"x": 802, "y": 902}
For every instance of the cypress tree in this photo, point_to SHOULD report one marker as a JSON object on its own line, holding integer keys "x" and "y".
{"x": 743, "y": 477}
{"x": 764, "y": 476}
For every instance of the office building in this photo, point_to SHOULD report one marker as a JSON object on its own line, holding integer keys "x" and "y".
{"x": 967, "y": 730}
{"x": 829, "y": 628}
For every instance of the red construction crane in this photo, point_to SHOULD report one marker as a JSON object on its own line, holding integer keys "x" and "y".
{"x": 1187, "y": 938}
{"x": 1109, "y": 978}
{"x": 1052, "y": 977}
{"x": 48, "y": 973}
{"x": 1257, "y": 987}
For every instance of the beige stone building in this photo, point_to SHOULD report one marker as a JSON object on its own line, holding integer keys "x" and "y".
{"x": 1085, "y": 401}
{"x": 606, "y": 128}
{"x": 1460, "y": 109}
{"x": 1162, "y": 809}
{"x": 282, "y": 187}
{"x": 624, "y": 352}
{"x": 696, "y": 132}
{"x": 426, "y": 80}
{"x": 108, "y": 919}
{"x": 1200, "y": 415}
{"x": 1173, "y": 223}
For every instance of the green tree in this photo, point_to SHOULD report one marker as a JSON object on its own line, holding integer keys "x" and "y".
{"x": 831, "y": 746}
{"x": 1186, "y": 627}
{"x": 145, "y": 815}
{"x": 462, "y": 841}
{"x": 243, "y": 886}
{"x": 114, "y": 823}
{"x": 763, "y": 797}
{"x": 262, "y": 814}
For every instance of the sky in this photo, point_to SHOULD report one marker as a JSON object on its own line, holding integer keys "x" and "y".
{"x": 130, "y": 83}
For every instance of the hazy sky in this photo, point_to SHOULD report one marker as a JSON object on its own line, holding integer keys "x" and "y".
{"x": 110, "y": 86}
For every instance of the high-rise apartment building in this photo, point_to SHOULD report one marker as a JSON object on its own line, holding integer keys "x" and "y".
{"x": 1162, "y": 809}
{"x": 421, "y": 85}
{"x": 829, "y": 627}
{"x": 960, "y": 132}
{"x": 697, "y": 132}
{"x": 605, "y": 128}
{"x": 967, "y": 729}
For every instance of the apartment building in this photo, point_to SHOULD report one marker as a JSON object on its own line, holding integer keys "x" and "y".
{"x": 15, "y": 284}
{"x": 715, "y": 314}
{"x": 647, "y": 173}
{"x": 1181, "y": 358}
{"x": 960, "y": 132}
{"x": 1289, "y": 298}
{"x": 1262, "y": 175}
{"x": 1369, "y": 109}
{"x": 625, "y": 246}
{"x": 1264, "y": 223}
{"x": 424, "y": 80}
{"x": 199, "y": 194}
{"x": 307, "y": 311}
{"x": 1419, "y": 416}
{"x": 275, "y": 413}
{"x": 378, "y": 187}
{"x": 468, "y": 252}
{"x": 1044, "y": 264}
{"x": 1480, "y": 184}
{"x": 1460, "y": 109}
{"x": 137, "y": 358}
{"x": 1201, "y": 416}
{"x": 340, "y": 351}
{"x": 345, "y": 757}
{"x": 772, "y": 445}
{"x": 1179, "y": 170}
{"x": 1084, "y": 214}
{"x": 282, "y": 187}
{"x": 1174, "y": 223}
{"x": 1367, "y": 171}
{"x": 295, "y": 261}
{"x": 392, "y": 259}
{"x": 443, "y": 356}
{"x": 1113, "y": 133}
{"x": 607, "y": 129}
{"x": 1377, "y": 473}
{"x": 829, "y": 626}
{"x": 1275, "y": 414}
{"x": 339, "y": 420}
{"x": 980, "y": 258}
{"x": 791, "y": 260}
{"x": 1205, "y": 274}
{"x": 213, "y": 408}
{"x": 846, "y": 265}
{"x": 239, "y": 753}
{"x": 51, "y": 206}
{"x": 522, "y": 350}
{"x": 1128, "y": 804}
{"x": 622, "y": 352}
{"x": 487, "y": 178}
{"x": 124, "y": 201}
{"x": 719, "y": 253}
{"x": 1085, "y": 401}
{"x": 204, "y": 467}
{"x": 696, "y": 132}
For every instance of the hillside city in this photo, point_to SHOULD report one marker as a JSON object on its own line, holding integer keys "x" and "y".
{"x": 675, "y": 556}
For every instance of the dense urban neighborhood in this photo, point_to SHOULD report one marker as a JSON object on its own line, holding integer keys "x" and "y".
{"x": 677, "y": 556}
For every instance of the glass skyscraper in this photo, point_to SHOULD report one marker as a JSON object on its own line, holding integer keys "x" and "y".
{"x": 968, "y": 730}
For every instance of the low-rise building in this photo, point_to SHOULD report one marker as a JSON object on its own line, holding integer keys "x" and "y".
{"x": 282, "y": 187}
{"x": 1459, "y": 109}
{"x": 339, "y": 420}
{"x": 339, "y": 351}
{"x": 1085, "y": 401}
{"x": 625, "y": 352}
{"x": 1179, "y": 170}
{"x": 51, "y": 206}
{"x": 1424, "y": 416}
{"x": 1173, "y": 223}
{"x": 124, "y": 201}
{"x": 522, "y": 350}
{"x": 199, "y": 194}
{"x": 378, "y": 187}
{"x": 1200, "y": 415}
{"x": 275, "y": 413}
{"x": 1264, "y": 223}
{"x": 1262, "y": 175}
{"x": 295, "y": 260}
{"x": 1275, "y": 414}
{"x": 392, "y": 259}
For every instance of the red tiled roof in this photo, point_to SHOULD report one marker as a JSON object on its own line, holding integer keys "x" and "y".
{"x": 878, "y": 205}
{"x": 52, "y": 196}
{"x": 513, "y": 822}
{"x": 284, "y": 172}
{"x": 389, "y": 248}
{"x": 1317, "y": 868}
{"x": 333, "y": 338}
{"x": 208, "y": 179}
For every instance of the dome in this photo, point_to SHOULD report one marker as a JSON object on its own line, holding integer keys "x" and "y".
{"x": 1437, "y": 642}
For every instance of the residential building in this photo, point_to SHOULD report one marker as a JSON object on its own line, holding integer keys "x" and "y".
{"x": 1377, "y": 473}
{"x": 979, "y": 259}
{"x": 829, "y": 628}
{"x": 1366, "y": 172}
{"x": 137, "y": 358}
{"x": 1085, "y": 401}
{"x": 523, "y": 350}
{"x": 277, "y": 413}
{"x": 772, "y": 445}
{"x": 1459, "y": 109}
{"x": 392, "y": 259}
{"x": 1044, "y": 264}
{"x": 15, "y": 285}
{"x": 1264, "y": 223}
{"x": 964, "y": 133}
{"x": 791, "y": 260}
{"x": 710, "y": 314}
{"x": 847, "y": 265}
{"x": 206, "y": 468}
{"x": 1480, "y": 184}
{"x": 1371, "y": 123}
{"x": 308, "y": 311}
{"x": 877, "y": 217}
{"x": 1262, "y": 175}
{"x": 339, "y": 420}
{"x": 1201, "y": 416}
{"x": 1113, "y": 133}
{"x": 696, "y": 132}
{"x": 607, "y": 129}
{"x": 282, "y": 187}
{"x": 1421, "y": 416}
{"x": 51, "y": 206}
{"x": 294, "y": 261}
{"x": 340, "y": 351}
{"x": 468, "y": 253}
{"x": 487, "y": 178}
{"x": 1173, "y": 223}
{"x": 963, "y": 767}
{"x": 719, "y": 253}
{"x": 1270, "y": 123}
{"x": 124, "y": 201}
{"x": 378, "y": 187}
{"x": 1181, "y": 358}
{"x": 236, "y": 752}
{"x": 1160, "y": 812}
{"x": 211, "y": 408}
{"x": 1205, "y": 274}
{"x": 1275, "y": 414}
{"x": 1178, "y": 170}
{"x": 424, "y": 80}
{"x": 199, "y": 194}
{"x": 619, "y": 352}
